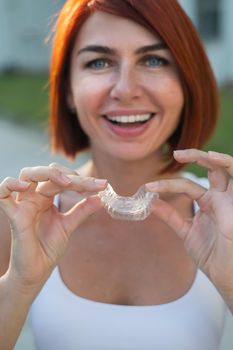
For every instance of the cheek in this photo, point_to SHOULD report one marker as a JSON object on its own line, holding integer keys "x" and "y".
{"x": 173, "y": 93}
{"x": 167, "y": 90}
{"x": 88, "y": 94}
{"x": 177, "y": 94}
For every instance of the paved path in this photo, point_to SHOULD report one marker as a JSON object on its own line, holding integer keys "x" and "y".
{"x": 20, "y": 147}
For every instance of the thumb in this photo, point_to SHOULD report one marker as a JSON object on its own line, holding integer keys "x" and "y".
{"x": 80, "y": 212}
{"x": 171, "y": 217}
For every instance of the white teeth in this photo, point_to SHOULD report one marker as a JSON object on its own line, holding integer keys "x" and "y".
{"x": 129, "y": 118}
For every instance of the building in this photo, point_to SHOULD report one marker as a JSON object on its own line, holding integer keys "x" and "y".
{"x": 213, "y": 19}
{"x": 24, "y": 28}
{"x": 25, "y": 25}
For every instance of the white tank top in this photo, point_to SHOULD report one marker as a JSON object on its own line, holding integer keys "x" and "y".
{"x": 62, "y": 320}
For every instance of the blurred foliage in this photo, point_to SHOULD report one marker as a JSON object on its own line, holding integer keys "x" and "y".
{"x": 222, "y": 140}
{"x": 24, "y": 98}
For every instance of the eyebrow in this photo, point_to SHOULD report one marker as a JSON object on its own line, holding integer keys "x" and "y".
{"x": 109, "y": 51}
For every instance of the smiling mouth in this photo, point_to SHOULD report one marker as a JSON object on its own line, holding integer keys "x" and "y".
{"x": 129, "y": 120}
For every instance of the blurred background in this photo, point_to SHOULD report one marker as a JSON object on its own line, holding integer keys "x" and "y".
{"x": 25, "y": 43}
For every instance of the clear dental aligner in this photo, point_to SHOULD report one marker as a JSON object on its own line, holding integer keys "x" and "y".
{"x": 137, "y": 207}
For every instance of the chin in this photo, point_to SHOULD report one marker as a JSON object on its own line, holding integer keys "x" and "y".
{"x": 129, "y": 155}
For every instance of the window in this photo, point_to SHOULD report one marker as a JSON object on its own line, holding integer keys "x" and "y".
{"x": 209, "y": 18}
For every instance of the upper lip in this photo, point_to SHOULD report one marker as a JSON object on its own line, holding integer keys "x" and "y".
{"x": 127, "y": 112}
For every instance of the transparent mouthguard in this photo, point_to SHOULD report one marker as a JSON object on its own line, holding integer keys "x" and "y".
{"x": 137, "y": 207}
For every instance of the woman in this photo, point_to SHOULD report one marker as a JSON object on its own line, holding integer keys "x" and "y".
{"x": 131, "y": 82}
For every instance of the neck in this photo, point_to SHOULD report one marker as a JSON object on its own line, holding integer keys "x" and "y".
{"x": 126, "y": 176}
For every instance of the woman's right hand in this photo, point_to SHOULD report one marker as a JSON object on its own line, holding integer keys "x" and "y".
{"x": 40, "y": 232}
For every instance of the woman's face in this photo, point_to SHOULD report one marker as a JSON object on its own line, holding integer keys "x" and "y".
{"x": 125, "y": 87}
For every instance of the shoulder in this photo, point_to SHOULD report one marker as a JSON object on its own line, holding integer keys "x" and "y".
{"x": 5, "y": 243}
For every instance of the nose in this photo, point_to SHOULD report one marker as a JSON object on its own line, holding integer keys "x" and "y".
{"x": 126, "y": 85}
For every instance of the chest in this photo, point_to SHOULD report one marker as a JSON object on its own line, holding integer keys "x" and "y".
{"x": 128, "y": 263}
{"x": 60, "y": 320}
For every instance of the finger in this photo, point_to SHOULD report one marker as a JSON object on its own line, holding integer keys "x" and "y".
{"x": 78, "y": 183}
{"x": 224, "y": 164}
{"x": 44, "y": 173}
{"x": 41, "y": 174}
{"x": 80, "y": 212}
{"x": 7, "y": 187}
{"x": 222, "y": 160}
{"x": 31, "y": 189}
{"x": 63, "y": 169}
{"x": 86, "y": 184}
{"x": 10, "y": 185}
{"x": 171, "y": 217}
{"x": 193, "y": 156}
{"x": 218, "y": 180}
{"x": 174, "y": 186}
{"x": 230, "y": 186}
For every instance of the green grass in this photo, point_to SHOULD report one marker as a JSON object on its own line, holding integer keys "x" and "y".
{"x": 222, "y": 140}
{"x": 24, "y": 98}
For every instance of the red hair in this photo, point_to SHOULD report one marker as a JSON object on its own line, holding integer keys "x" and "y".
{"x": 165, "y": 18}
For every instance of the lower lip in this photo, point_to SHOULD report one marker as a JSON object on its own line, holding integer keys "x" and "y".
{"x": 127, "y": 131}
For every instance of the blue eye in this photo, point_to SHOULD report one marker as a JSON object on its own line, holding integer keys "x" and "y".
{"x": 99, "y": 63}
{"x": 154, "y": 61}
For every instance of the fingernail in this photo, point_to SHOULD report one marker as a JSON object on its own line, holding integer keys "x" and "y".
{"x": 215, "y": 154}
{"x": 152, "y": 186}
{"x": 178, "y": 151}
{"x": 24, "y": 183}
{"x": 66, "y": 179}
{"x": 100, "y": 182}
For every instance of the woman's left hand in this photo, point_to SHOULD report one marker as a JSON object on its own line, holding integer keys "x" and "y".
{"x": 208, "y": 236}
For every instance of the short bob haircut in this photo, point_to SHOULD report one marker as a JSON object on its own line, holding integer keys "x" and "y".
{"x": 167, "y": 19}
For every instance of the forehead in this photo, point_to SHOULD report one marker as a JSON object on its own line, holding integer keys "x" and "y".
{"x": 107, "y": 29}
